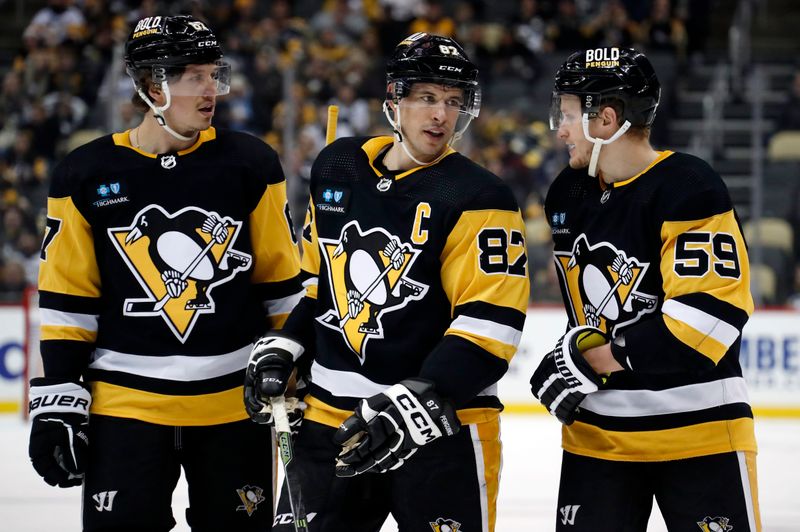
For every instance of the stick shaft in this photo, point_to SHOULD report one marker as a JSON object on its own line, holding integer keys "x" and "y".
{"x": 330, "y": 131}
{"x": 284, "y": 434}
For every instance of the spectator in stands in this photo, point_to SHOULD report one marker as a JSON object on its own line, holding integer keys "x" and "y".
{"x": 565, "y": 30}
{"x": 611, "y": 27}
{"x": 58, "y": 22}
{"x": 662, "y": 31}
{"x": 434, "y": 20}
{"x": 353, "y": 112}
{"x": 790, "y": 116}
{"x": 12, "y": 281}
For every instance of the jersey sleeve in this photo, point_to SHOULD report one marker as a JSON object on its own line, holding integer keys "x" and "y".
{"x": 706, "y": 283}
{"x": 300, "y": 323}
{"x": 69, "y": 283}
{"x": 276, "y": 270}
{"x": 484, "y": 274}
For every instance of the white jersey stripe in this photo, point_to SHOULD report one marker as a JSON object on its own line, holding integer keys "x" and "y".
{"x": 350, "y": 384}
{"x": 345, "y": 383}
{"x": 68, "y": 319}
{"x": 488, "y": 329}
{"x": 181, "y": 368}
{"x": 721, "y": 331}
{"x": 681, "y": 399}
{"x": 480, "y": 468}
{"x": 283, "y": 305}
{"x": 747, "y": 490}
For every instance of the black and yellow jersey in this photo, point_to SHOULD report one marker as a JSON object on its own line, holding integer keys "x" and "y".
{"x": 417, "y": 273}
{"x": 158, "y": 271}
{"x": 659, "y": 262}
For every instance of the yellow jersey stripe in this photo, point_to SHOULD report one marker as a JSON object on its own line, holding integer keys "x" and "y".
{"x": 187, "y": 410}
{"x": 62, "y": 332}
{"x": 713, "y": 437}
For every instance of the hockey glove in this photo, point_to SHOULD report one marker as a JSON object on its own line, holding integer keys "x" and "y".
{"x": 268, "y": 370}
{"x": 59, "y": 441}
{"x": 389, "y": 427}
{"x": 564, "y": 377}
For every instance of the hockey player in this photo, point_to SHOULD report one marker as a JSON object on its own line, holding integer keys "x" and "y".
{"x": 655, "y": 280}
{"x": 168, "y": 250}
{"x": 417, "y": 287}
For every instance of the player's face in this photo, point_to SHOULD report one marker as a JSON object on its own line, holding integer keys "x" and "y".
{"x": 194, "y": 98}
{"x": 428, "y": 118}
{"x": 570, "y": 130}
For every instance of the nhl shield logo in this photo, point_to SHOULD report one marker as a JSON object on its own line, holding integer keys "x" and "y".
{"x": 169, "y": 162}
{"x": 178, "y": 259}
{"x": 368, "y": 275}
{"x": 602, "y": 283}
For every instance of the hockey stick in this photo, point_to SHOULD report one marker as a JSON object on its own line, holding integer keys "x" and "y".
{"x": 148, "y": 307}
{"x": 283, "y": 432}
{"x": 333, "y": 115}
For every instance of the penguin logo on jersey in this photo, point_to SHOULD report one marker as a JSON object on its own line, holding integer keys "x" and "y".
{"x": 714, "y": 524}
{"x": 251, "y": 497}
{"x": 445, "y": 525}
{"x": 368, "y": 275}
{"x": 177, "y": 259}
{"x": 602, "y": 283}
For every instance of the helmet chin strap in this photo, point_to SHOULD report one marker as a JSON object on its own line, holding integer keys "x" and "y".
{"x": 158, "y": 112}
{"x": 398, "y": 135}
{"x": 598, "y": 143}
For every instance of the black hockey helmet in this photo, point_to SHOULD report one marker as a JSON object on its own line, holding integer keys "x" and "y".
{"x": 171, "y": 41}
{"x": 427, "y": 58}
{"x": 599, "y": 75}
{"x": 168, "y": 43}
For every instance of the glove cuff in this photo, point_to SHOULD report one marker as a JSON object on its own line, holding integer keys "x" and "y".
{"x": 48, "y": 397}
{"x": 570, "y": 362}
{"x": 281, "y": 345}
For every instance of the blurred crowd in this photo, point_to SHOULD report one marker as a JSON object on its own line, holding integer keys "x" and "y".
{"x": 291, "y": 59}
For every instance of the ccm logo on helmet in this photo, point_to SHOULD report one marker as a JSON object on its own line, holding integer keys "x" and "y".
{"x": 206, "y": 44}
{"x": 450, "y": 68}
{"x": 602, "y": 57}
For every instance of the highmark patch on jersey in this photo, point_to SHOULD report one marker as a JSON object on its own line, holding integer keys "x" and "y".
{"x": 602, "y": 283}
{"x": 368, "y": 276}
{"x": 177, "y": 259}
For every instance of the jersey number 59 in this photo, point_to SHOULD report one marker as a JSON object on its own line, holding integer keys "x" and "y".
{"x": 693, "y": 258}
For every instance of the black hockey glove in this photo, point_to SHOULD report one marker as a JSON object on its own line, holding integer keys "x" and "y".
{"x": 564, "y": 377}
{"x": 268, "y": 371}
{"x": 389, "y": 427}
{"x": 59, "y": 440}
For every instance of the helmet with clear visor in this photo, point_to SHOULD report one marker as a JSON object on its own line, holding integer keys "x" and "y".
{"x": 599, "y": 76}
{"x": 426, "y": 58}
{"x": 161, "y": 48}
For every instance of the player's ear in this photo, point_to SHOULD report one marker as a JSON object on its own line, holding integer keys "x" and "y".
{"x": 155, "y": 94}
{"x": 608, "y": 116}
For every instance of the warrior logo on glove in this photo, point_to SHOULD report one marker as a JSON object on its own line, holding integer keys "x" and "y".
{"x": 368, "y": 273}
{"x": 602, "y": 285}
{"x": 178, "y": 258}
